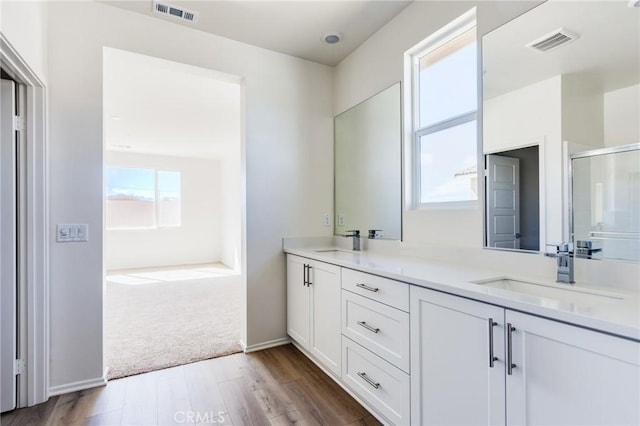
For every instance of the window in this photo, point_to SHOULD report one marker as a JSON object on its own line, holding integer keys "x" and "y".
{"x": 142, "y": 198}
{"x": 444, "y": 103}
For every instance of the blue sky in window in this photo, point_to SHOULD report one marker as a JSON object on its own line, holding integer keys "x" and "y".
{"x": 131, "y": 183}
{"x": 168, "y": 185}
{"x": 449, "y": 87}
{"x": 445, "y": 171}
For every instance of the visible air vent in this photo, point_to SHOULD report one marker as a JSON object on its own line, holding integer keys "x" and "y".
{"x": 162, "y": 8}
{"x": 176, "y": 12}
{"x": 552, "y": 40}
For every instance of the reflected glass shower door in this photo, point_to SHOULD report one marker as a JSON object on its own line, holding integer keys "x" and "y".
{"x": 606, "y": 202}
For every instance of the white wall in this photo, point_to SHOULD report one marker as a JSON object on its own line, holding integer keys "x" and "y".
{"x": 378, "y": 63}
{"x": 621, "y": 112}
{"x": 231, "y": 203}
{"x": 582, "y": 111}
{"x": 196, "y": 240}
{"x": 523, "y": 115}
{"x": 23, "y": 23}
{"x": 288, "y": 151}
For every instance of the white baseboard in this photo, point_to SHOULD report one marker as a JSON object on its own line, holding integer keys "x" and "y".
{"x": 264, "y": 345}
{"x": 78, "y": 386}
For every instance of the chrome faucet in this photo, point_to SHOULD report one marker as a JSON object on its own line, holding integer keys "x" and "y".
{"x": 564, "y": 260}
{"x": 375, "y": 233}
{"x": 355, "y": 234}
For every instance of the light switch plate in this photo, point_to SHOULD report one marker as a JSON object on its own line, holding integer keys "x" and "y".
{"x": 66, "y": 233}
{"x": 326, "y": 220}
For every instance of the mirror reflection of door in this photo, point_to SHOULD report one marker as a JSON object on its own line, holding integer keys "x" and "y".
{"x": 503, "y": 202}
{"x": 513, "y": 199}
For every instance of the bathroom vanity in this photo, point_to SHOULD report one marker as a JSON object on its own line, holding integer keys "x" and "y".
{"x": 444, "y": 338}
{"x": 419, "y": 342}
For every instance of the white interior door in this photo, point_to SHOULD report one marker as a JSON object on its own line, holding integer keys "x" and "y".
{"x": 503, "y": 202}
{"x": 8, "y": 260}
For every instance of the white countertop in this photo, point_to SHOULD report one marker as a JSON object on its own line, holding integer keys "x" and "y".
{"x": 614, "y": 315}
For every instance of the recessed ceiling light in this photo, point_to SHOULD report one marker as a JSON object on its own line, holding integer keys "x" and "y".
{"x": 333, "y": 37}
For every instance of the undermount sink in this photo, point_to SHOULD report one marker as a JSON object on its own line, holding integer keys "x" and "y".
{"x": 338, "y": 253}
{"x": 563, "y": 293}
{"x": 341, "y": 255}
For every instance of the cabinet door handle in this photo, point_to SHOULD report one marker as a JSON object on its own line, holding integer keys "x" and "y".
{"x": 368, "y": 327}
{"x": 304, "y": 275}
{"x": 492, "y": 358}
{"x": 366, "y": 287}
{"x": 510, "y": 364}
{"x": 368, "y": 380}
{"x": 309, "y": 275}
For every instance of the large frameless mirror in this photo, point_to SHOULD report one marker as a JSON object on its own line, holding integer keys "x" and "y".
{"x": 560, "y": 79}
{"x": 368, "y": 167}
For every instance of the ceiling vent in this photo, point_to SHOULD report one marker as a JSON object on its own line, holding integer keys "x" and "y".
{"x": 553, "y": 40}
{"x": 177, "y": 12}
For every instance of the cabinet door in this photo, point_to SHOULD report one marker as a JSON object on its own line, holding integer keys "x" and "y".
{"x": 568, "y": 375}
{"x": 298, "y": 318}
{"x": 452, "y": 382}
{"x": 325, "y": 311}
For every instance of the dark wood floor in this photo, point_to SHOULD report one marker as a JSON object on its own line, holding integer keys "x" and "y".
{"x": 277, "y": 386}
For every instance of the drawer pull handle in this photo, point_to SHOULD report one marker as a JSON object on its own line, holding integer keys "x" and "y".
{"x": 368, "y": 327}
{"x": 366, "y": 287}
{"x": 368, "y": 380}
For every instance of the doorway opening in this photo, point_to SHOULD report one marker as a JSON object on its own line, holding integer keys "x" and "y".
{"x": 513, "y": 198}
{"x": 173, "y": 208}
{"x": 12, "y": 232}
{"x": 24, "y": 233}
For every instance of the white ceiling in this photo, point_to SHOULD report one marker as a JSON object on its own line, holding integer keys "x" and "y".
{"x": 161, "y": 107}
{"x": 607, "y": 53}
{"x": 292, "y": 27}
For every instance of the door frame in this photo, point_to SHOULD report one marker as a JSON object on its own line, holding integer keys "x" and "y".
{"x": 36, "y": 219}
{"x": 540, "y": 142}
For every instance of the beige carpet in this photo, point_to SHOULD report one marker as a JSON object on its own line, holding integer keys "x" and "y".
{"x": 152, "y": 324}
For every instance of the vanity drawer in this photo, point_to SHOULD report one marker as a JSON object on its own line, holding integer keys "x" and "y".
{"x": 380, "y": 328}
{"x": 389, "y": 292}
{"x": 382, "y": 386}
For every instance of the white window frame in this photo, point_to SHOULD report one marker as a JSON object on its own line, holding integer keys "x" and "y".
{"x": 413, "y": 131}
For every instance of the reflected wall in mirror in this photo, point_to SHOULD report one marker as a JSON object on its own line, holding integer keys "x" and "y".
{"x": 606, "y": 203}
{"x": 368, "y": 166}
{"x": 559, "y": 79}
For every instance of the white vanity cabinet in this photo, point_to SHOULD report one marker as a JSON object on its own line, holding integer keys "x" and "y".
{"x": 560, "y": 374}
{"x": 453, "y": 379}
{"x": 569, "y": 375}
{"x": 313, "y": 309}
